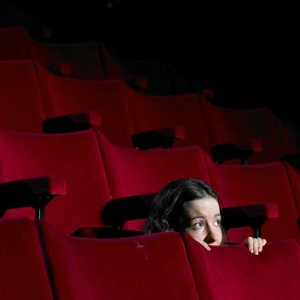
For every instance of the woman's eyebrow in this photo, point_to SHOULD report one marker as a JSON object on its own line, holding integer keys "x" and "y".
{"x": 197, "y": 217}
{"x": 202, "y": 217}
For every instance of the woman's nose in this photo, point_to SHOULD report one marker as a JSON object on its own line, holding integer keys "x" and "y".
{"x": 211, "y": 235}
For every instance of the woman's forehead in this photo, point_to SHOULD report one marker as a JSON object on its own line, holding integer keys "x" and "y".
{"x": 207, "y": 205}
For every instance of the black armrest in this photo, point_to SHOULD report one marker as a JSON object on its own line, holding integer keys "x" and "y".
{"x": 35, "y": 192}
{"x": 253, "y": 216}
{"x": 72, "y": 123}
{"x": 164, "y": 137}
{"x": 292, "y": 158}
{"x": 239, "y": 150}
{"x": 117, "y": 211}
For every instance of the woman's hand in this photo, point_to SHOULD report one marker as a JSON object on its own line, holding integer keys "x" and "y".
{"x": 255, "y": 245}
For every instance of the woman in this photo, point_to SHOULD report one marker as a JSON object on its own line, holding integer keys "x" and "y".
{"x": 190, "y": 205}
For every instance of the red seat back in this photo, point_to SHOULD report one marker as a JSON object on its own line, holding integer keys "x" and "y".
{"x": 132, "y": 172}
{"x": 133, "y": 268}
{"x": 106, "y": 97}
{"x": 154, "y": 112}
{"x": 232, "y": 272}
{"x": 72, "y": 156}
{"x": 257, "y": 183}
{"x": 226, "y": 125}
{"x": 21, "y": 105}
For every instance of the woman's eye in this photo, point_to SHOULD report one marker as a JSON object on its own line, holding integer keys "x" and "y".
{"x": 198, "y": 225}
{"x": 217, "y": 222}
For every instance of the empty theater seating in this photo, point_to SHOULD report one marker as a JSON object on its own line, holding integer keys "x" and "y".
{"x": 228, "y": 125}
{"x": 77, "y": 60}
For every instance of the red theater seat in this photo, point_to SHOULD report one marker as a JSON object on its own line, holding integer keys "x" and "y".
{"x": 133, "y": 268}
{"x": 65, "y": 96}
{"x": 259, "y": 183}
{"x": 72, "y": 156}
{"x": 150, "y": 112}
{"x": 233, "y": 273}
{"x": 135, "y": 176}
{"x": 227, "y": 125}
{"x": 79, "y": 60}
{"x": 133, "y": 172}
{"x": 21, "y": 104}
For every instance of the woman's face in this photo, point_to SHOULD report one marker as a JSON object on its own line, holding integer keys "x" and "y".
{"x": 204, "y": 219}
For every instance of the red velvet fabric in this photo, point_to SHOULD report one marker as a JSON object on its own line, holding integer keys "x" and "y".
{"x": 21, "y": 105}
{"x": 233, "y": 273}
{"x": 106, "y": 97}
{"x": 154, "y": 112}
{"x": 73, "y": 156}
{"x": 132, "y": 172}
{"x": 294, "y": 179}
{"x": 257, "y": 183}
{"x": 76, "y": 60}
{"x": 141, "y": 267}
{"x": 13, "y": 44}
{"x": 23, "y": 273}
{"x": 226, "y": 125}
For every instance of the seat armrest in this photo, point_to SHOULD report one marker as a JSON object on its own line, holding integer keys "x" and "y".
{"x": 117, "y": 211}
{"x": 72, "y": 122}
{"x": 164, "y": 138}
{"x": 239, "y": 150}
{"x": 35, "y": 192}
{"x": 253, "y": 216}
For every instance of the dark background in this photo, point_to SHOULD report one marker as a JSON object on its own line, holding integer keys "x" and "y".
{"x": 248, "y": 53}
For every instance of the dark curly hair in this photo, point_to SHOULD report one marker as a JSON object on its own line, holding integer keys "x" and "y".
{"x": 166, "y": 211}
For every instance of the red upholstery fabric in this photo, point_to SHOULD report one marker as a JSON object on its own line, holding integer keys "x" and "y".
{"x": 233, "y": 273}
{"x": 76, "y": 60}
{"x": 112, "y": 67}
{"x": 21, "y": 105}
{"x": 73, "y": 156}
{"x": 257, "y": 183}
{"x": 106, "y": 97}
{"x": 294, "y": 179}
{"x": 154, "y": 112}
{"x": 141, "y": 267}
{"x": 80, "y": 60}
{"x": 227, "y": 125}
{"x": 132, "y": 172}
{"x": 23, "y": 273}
{"x": 13, "y": 44}
{"x": 288, "y": 136}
